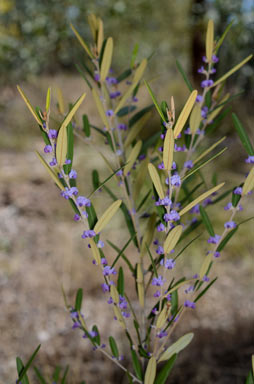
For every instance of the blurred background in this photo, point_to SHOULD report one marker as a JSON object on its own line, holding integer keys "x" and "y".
{"x": 37, "y": 50}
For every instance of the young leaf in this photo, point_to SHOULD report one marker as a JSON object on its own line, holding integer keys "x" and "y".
{"x": 205, "y": 290}
{"x": 120, "y": 282}
{"x": 168, "y": 149}
{"x": 140, "y": 285}
{"x": 107, "y": 58}
{"x": 187, "y": 81}
{"x": 195, "y": 118}
{"x": 233, "y": 70}
{"x": 132, "y": 157}
{"x": 61, "y": 146}
{"x": 150, "y": 371}
{"x": 156, "y": 180}
{"x": 107, "y": 215}
{"x": 165, "y": 371}
{"x": 134, "y": 55}
{"x": 113, "y": 346}
{"x": 72, "y": 112}
{"x": 249, "y": 183}
{"x": 172, "y": 239}
{"x": 177, "y": 347}
{"x": 48, "y": 99}
{"x": 209, "y": 40}
{"x": 100, "y": 35}
{"x": 185, "y": 113}
{"x": 154, "y": 101}
{"x": 79, "y": 298}
{"x": 20, "y": 369}
{"x": 50, "y": 171}
{"x": 206, "y": 221}
{"x": 86, "y": 125}
{"x": 100, "y": 108}
{"x": 82, "y": 42}
{"x": 22, "y": 373}
{"x": 243, "y": 135}
{"x": 31, "y": 109}
{"x": 200, "y": 198}
{"x": 136, "y": 365}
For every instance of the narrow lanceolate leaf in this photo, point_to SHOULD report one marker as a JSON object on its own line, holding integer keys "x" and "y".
{"x": 82, "y": 42}
{"x": 209, "y": 40}
{"x": 107, "y": 215}
{"x": 220, "y": 41}
{"x": 119, "y": 317}
{"x": 243, "y": 135}
{"x": 100, "y": 108}
{"x": 215, "y": 113}
{"x": 100, "y": 36}
{"x": 120, "y": 282}
{"x": 155, "y": 101}
{"x": 156, "y": 180}
{"x": 150, "y": 371}
{"x": 73, "y": 110}
{"x": 203, "y": 154}
{"x": 93, "y": 24}
{"x": 31, "y": 109}
{"x": 107, "y": 58}
{"x": 177, "y": 286}
{"x": 60, "y": 101}
{"x": 165, "y": 371}
{"x": 50, "y": 171}
{"x": 61, "y": 146}
{"x": 195, "y": 118}
{"x": 137, "y": 77}
{"x": 140, "y": 178}
{"x": 181, "y": 70}
{"x": 205, "y": 266}
{"x": 79, "y": 298}
{"x": 24, "y": 370}
{"x": 249, "y": 183}
{"x": 178, "y": 346}
{"x": 140, "y": 286}
{"x": 132, "y": 157}
{"x": 172, "y": 239}
{"x": 185, "y": 113}
{"x": 95, "y": 251}
{"x": 168, "y": 149}
{"x": 113, "y": 346}
{"x": 206, "y": 221}
{"x": 233, "y": 70}
{"x": 162, "y": 318}
{"x": 148, "y": 236}
{"x": 114, "y": 294}
{"x": 48, "y": 100}
{"x": 136, "y": 129}
{"x": 200, "y": 198}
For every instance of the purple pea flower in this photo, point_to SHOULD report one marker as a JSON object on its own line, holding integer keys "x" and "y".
{"x": 88, "y": 234}
{"x": 161, "y": 334}
{"x": 188, "y": 164}
{"x": 175, "y": 180}
{"x": 100, "y": 244}
{"x": 76, "y": 217}
{"x": 48, "y": 149}
{"x": 52, "y": 134}
{"x": 199, "y": 98}
{"x": 110, "y": 113}
{"x": 238, "y": 191}
{"x": 216, "y": 254}
{"x": 160, "y": 250}
{"x": 111, "y": 80}
{"x": 189, "y": 304}
{"x": 168, "y": 264}
{"x": 228, "y": 206}
{"x": 172, "y": 216}
{"x": 105, "y": 287}
{"x": 53, "y": 162}
{"x": 161, "y": 165}
{"x": 158, "y": 281}
{"x": 230, "y": 225}
{"x": 157, "y": 294}
{"x": 83, "y": 201}
{"x": 215, "y": 59}
{"x": 109, "y": 271}
{"x": 201, "y": 69}
{"x": 250, "y": 160}
{"x": 206, "y": 83}
{"x": 161, "y": 227}
{"x": 73, "y": 174}
{"x": 214, "y": 239}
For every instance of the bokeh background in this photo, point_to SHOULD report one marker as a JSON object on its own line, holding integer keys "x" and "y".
{"x": 40, "y": 247}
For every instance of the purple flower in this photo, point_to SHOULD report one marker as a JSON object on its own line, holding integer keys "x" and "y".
{"x": 69, "y": 192}
{"x": 100, "y": 244}
{"x": 48, "y": 149}
{"x": 204, "y": 58}
{"x": 250, "y": 160}
{"x": 216, "y": 254}
{"x": 83, "y": 201}
{"x": 172, "y": 216}
{"x": 175, "y": 180}
{"x": 201, "y": 69}
{"x": 142, "y": 157}
{"x": 76, "y": 217}
{"x": 135, "y": 99}
{"x": 160, "y": 250}
{"x": 67, "y": 161}
{"x": 212, "y": 71}
{"x": 109, "y": 271}
{"x": 237, "y": 191}
{"x": 73, "y": 174}
{"x": 52, "y": 134}
{"x": 53, "y": 162}
{"x": 228, "y": 206}
{"x": 126, "y": 315}
{"x": 199, "y": 98}
{"x": 189, "y": 304}
{"x": 122, "y": 302}
{"x": 204, "y": 111}
{"x": 97, "y": 76}
{"x": 110, "y": 112}
{"x": 158, "y": 281}
{"x": 157, "y": 294}
{"x": 179, "y": 148}
{"x": 161, "y": 227}
{"x": 214, "y": 239}
{"x": 111, "y": 80}
{"x": 156, "y": 242}
{"x": 105, "y": 287}
{"x": 215, "y": 59}
{"x": 206, "y": 83}
{"x": 161, "y": 334}
{"x": 230, "y": 225}
{"x": 88, "y": 233}
{"x": 169, "y": 263}
{"x": 114, "y": 95}
{"x": 205, "y": 279}
{"x": 188, "y": 164}
{"x": 161, "y": 165}
{"x": 195, "y": 209}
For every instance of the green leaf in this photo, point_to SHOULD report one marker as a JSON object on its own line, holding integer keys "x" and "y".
{"x": 187, "y": 245}
{"x": 143, "y": 200}
{"x": 120, "y": 282}
{"x": 20, "y": 369}
{"x": 174, "y": 303}
{"x": 126, "y": 110}
{"x": 81, "y": 41}
{"x": 65, "y": 375}
{"x": 187, "y": 81}
{"x": 95, "y": 179}
{"x": 134, "y": 54}
{"x": 155, "y": 101}
{"x": 165, "y": 371}
{"x": 107, "y": 58}
{"x": 56, "y": 373}
{"x": 250, "y": 378}
{"x": 226, "y": 239}
{"x": 220, "y": 41}
{"x": 22, "y": 373}
{"x": 96, "y": 338}
{"x": 83, "y": 75}
{"x": 70, "y": 144}
{"x": 113, "y": 346}
{"x": 243, "y": 135}
{"x": 139, "y": 114}
{"x": 205, "y": 290}
{"x": 92, "y": 217}
{"x": 124, "y": 75}
{"x": 206, "y": 221}
{"x": 86, "y": 125}
{"x": 79, "y": 298}
{"x": 121, "y": 253}
{"x": 235, "y": 198}
{"x": 136, "y": 365}
{"x": 39, "y": 376}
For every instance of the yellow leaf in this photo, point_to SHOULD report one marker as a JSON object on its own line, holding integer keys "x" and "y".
{"x": 204, "y": 266}
{"x": 172, "y": 239}
{"x": 61, "y": 146}
{"x": 132, "y": 157}
{"x": 162, "y": 318}
{"x": 140, "y": 286}
{"x": 156, "y": 180}
{"x": 114, "y": 294}
{"x": 185, "y": 113}
{"x": 234, "y": 69}
{"x": 119, "y": 317}
{"x": 73, "y": 111}
{"x": 177, "y": 286}
{"x": 107, "y": 58}
{"x": 29, "y": 105}
{"x": 148, "y": 236}
{"x": 177, "y": 347}
{"x": 136, "y": 129}
{"x": 100, "y": 108}
{"x": 200, "y": 198}
{"x": 137, "y": 77}
{"x": 203, "y": 154}
{"x": 209, "y": 40}
{"x": 100, "y": 37}
{"x": 82, "y": 42}
{"x": 60, "y": 101}
{"x": 195, "y": 118}
{"x": 107, "y": 215}
{"x": 50, "y": 171}
{"x": 140, "y": 178}
{"x": 249, "y": 183}
{"x": 168, "y": 149}
{"x": 95, "y": 251}
{"x": 150, "y": 371}
{"x": 214, "y": 113}
{"x": 48, "y": 99}
{"x": 92, "y": 21}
